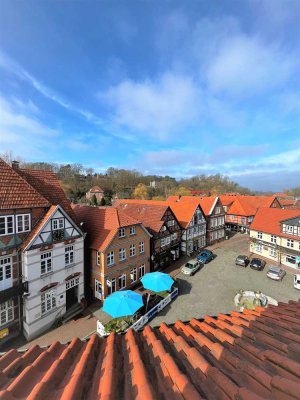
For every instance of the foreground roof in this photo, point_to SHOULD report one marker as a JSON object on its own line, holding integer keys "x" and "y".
{"x": 102, "y": 223}
{"x": 15, "y": 192}
{"x": 254, "y": 355}
{"x": 206, "y": 203}
{"x": 268, "y": 220}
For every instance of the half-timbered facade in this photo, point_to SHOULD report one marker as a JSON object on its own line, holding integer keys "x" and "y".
{"x": 215, "y": 217}
{"x": 162, "y": 224}
{"x": 275, "y": 234}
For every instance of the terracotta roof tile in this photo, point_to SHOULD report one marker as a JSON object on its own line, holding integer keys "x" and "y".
{"x": 205, "y": 203}
{"x": 15, "y": 192}
{"x": 268, "y": 220}
{"x": 248, "y": 205}
{"x": 102, "y": 223}
{"x": 229, "y": 357}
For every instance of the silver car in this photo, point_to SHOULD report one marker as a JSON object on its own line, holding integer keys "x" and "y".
{"x": 276, "y": 273}
{"x": 191, "y": 267}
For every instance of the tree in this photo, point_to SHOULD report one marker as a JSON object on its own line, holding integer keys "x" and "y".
{"x": 181, "y": 191}
{"x": 94, "y": 201}
{"x": 140, "y": 192}
{"x": 102, "y": 202}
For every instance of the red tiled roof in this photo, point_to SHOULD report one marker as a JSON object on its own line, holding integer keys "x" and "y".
{"x": 205, "y": 203}
{"x": 226, "y": 200}
{"x": 254, "y": 355}
{"x": 96, "y": 189}
{"x": 268, "y": 220}
{"x": 102, "y": 223}
{"x": 47, "y": 183}
{"x": 248, "y": 205}
{"x": 15, "y": 192}
{"x": 149, "y": 212}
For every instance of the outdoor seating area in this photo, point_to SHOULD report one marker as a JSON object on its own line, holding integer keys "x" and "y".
{"x": 134, "y": 309}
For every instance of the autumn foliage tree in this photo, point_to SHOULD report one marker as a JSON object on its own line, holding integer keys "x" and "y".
{"x": 140, "y": 192}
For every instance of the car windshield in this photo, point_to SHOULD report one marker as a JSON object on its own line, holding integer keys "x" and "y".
{"x": 188, "y": 265}
{"x": 274, "y": 270}
{"x": 256, "y": 261}
{"x": 241, "y": 257}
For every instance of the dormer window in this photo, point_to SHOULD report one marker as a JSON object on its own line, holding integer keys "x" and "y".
{"x": 121, "y": 232}
{"x": 132, "y": 230}
{"x": 6, "y": 225}
{"x": 289, "y": 229}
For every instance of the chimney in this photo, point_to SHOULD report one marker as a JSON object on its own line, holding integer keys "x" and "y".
{"x": 15, "y": 165}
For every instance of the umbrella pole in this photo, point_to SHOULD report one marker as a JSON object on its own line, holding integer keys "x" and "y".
{"x": 147, "y": 302}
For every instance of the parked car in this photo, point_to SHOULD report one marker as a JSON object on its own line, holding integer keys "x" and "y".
{"x": 191, "y": 267}
{"x": 258, "y": 264}
{"x": 297, "y": 281}
{"x": 205, "y": 256}
{"x": 243, "y": 261}
{"x": 276, "y": 273}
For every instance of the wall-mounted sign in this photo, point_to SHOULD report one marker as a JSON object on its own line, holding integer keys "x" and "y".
{"x": 4, "y": 332}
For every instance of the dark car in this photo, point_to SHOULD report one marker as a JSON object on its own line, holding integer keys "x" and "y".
{"x": 258, "y": 264}
{"x": 205, "y": 256}
{"x": 243, "y": 261}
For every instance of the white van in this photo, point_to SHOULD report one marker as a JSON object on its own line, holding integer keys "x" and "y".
{"x": 297, "y": 281}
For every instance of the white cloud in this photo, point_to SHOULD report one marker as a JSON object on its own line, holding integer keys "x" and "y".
{"x": 246, "y": 66}
{"x": 22, "y": 133}
{"x": 156, "y": 108}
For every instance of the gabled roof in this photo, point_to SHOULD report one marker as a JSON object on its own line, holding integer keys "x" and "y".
{"x": 149, "y": 212}
{"x": 227, "y": 200}
{"x": 47, "y": 183}
{"x": 102, "y": 224}
{"x": 15, "y": 192}
{"x": 206, "y": 203}
{"x": 96, "y": 189}
{"x": 248, "y": 205}
{"x": 253, "y": 355}
{"x": 268, "y": 220}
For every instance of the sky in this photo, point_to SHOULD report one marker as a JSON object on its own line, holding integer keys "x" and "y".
{"x": 176, "y": 88}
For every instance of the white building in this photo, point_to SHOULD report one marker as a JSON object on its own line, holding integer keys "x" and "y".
{"x": 52, "y": 265}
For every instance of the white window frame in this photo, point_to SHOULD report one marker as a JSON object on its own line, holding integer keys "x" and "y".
{"x": 98, "y": 289}
{"x": 6, "y": 272}
{"x": 58, "y": 223}
{"x": 273, "y": 239}
{"x": 289, "y": 229}
{"x": 122, "y": 254}
{"x": 132, "y": 230}
{"x": 218, "y": 210}
{"x": 122, "y": 279}
{"x": 142, "y": 247}
{"x": 132, "y": 250}
{"x": 290, "y": 257}
{"x": 272, "y": 252}
{"x": 48, "y": 301}
{"x": 258, "y": 247}
{"x": 290, "y": 243}
{"x": 142, "y": 270}
{"x": 46, "y": 262}
{"x": 171, "y": 223}
{"x": 72, "y": 283}
{"x": 259, "y": 235}
{"x": 110, "y": 258}
{"x": 133, "y": 275}
{"x": 6, "y": 225}
{"x": 98, "y": 258}
{"x": 69, "y": 255}
{"x": 25, "y": 223}
{"x": 6, "y": 312}
{"x": 110, "y": 283}
{"x": 121, "y": 232}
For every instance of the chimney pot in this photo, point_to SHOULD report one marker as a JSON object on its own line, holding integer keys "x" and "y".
{"x": 15, "y": 164}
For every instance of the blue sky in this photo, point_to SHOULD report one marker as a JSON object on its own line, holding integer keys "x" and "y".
{"x": 170, "y": 87}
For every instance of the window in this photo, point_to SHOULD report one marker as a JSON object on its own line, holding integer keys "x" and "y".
{"x": 132, "y": 250}
{"x": 121, "y": 232}
{"x": 46, "y": 262}
{"x": 98, "y": 258}
{"x": 291, "y": 259}
{"x": 168, "y": 240}
{"x": 69, "y": 255}
{"x": 196, "y": 219}
{"x": 141, "y": 247}
{"x": 133, "y": 275}
{"x": 142, "y": 270}
{"x": 162, "y": 242}
{"x": 48, "y": 301}
{"x": 23, "y": 223}
{"x": 273, "y": 252}
{"x": 122, "y": 254}
{"x": 132, "y": 230}
{"x": 243, "y": 220}
{"x": 289, "y": 229}
{"x": 258, "y": 247}
{"x": 232, "y": 217}
{"x": 273, "y": 239}
{"x": 218, "y": 210}
{"x": 111, "y": 285}
{"x": 259, "y": 235}
{"x": 290, "y": 243}
{"x": 58, "y": 223}
{"x": 174, "y": 236}
{"x": 6, "y": 312}
{"x": 122, "y": 281}
{"x": 250, "y": 219}
{"x": 220, "y": 221}
{"x": 5, "y": 273}
{"x": 72, "y": 282}
{"x": 171, "y": 222}
{"x": 110, "y": 258}
{"x": 6, "y": 225}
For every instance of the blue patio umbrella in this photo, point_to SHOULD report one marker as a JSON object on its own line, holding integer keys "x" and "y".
{"x": 157, "y": 281}
{"x": 123, "y": 303}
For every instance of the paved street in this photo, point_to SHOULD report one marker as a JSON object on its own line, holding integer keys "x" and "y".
{"x": 212, "y": 289}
